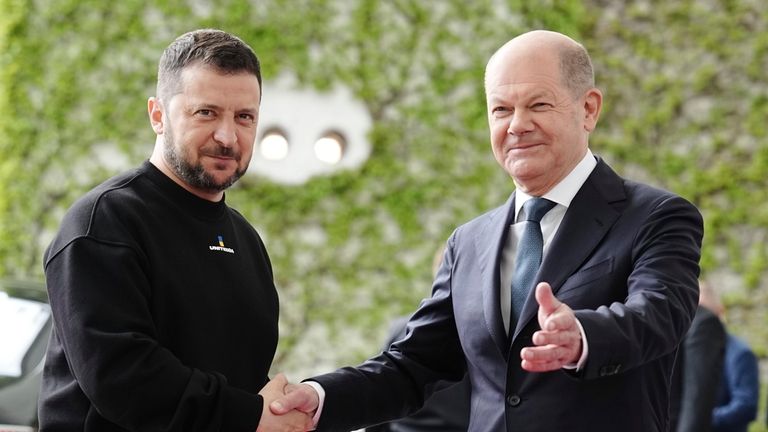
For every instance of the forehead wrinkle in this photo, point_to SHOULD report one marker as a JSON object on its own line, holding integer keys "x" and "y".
{"x": 520, "y": 90}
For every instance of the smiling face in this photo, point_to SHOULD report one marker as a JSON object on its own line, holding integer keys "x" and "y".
{"x": 539, "y": 126}
{"x": 206, "y": 132}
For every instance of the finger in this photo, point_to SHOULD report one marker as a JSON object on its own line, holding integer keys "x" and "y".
{"x": 546, "y": 300}
{"x": 279, "y": 381}
{"x": 560, "y": 354}
{"x": 541, "y": 366}
{"x": 545, "y": 354}
{"x": 291, "y": 387}
{"x": 561, "y": 320}
{"x": 292, "y": 421}
{"x": 562, "y": 338}
{"x": 302, "y": 397}
{"x": 274, "y": 386}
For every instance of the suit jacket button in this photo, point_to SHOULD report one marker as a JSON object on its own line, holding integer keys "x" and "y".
{"x": 513, "y": 400}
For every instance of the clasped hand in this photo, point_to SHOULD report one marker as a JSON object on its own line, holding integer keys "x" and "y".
{"x": 559, "y": 342}
{"x": 290, "y": 407}
{"x": 293, "y": 403}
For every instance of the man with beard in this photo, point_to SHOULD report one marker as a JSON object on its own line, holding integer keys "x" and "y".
{"x": 165, "y": 311}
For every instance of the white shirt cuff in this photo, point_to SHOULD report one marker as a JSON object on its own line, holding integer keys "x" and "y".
{"x": 321, "y": 397}
{"x": 584, "y": 350}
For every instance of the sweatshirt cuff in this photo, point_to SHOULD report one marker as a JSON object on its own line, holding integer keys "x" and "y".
{"x": 242, "y": 410}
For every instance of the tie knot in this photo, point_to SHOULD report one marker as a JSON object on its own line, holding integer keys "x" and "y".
{"x": 536, "y": 208}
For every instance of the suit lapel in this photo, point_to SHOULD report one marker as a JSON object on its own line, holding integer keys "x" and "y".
{"x": 489, "y": 245}
{"x": 589, "y": 217}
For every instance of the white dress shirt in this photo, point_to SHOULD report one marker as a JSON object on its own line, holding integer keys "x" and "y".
{"x": 562, "y": 195}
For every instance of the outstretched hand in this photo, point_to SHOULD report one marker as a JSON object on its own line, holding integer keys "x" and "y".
{"x": 294, "y": 421}
{"x": 558, "y": 343}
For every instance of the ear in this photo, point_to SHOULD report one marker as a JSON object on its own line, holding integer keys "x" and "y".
{"x": 593, "y": 103}
{"x": 156, "y": 114}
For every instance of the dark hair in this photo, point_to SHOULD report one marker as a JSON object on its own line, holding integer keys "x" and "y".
{"x": 576, "y": 68}
{"x": 224, "y": 52}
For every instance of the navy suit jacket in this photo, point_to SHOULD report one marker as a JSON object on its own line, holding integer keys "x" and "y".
{"x": 625, "y": 258}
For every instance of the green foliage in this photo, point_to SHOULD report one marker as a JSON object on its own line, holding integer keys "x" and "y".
{"x": 686, "y": 103}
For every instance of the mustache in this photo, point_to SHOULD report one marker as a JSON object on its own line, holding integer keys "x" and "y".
{"x": 219, "y": 151}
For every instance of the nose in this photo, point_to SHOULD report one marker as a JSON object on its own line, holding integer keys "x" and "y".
{"x": 520, "y": 123}
{"x": 225, "y": 133}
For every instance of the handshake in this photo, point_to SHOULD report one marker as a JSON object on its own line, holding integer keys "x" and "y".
{"x": 287, "y": 407}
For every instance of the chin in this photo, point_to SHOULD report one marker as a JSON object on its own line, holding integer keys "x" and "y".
{"x": 524, "y": 177}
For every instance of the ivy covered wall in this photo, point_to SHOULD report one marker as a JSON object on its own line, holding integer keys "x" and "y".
{"x": 686, "y": 103}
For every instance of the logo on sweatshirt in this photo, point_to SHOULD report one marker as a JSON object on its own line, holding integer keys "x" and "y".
{"x": 221, "y": 246}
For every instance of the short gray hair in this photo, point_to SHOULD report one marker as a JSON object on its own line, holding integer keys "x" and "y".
{"x": 576, "y": 68}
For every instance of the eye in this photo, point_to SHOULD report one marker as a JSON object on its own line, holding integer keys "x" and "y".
{"x": 204, "y": 112}
{"x": 500, "y": 110}
{"x": 540, "y": 106}
{"x": 250, "y": 118}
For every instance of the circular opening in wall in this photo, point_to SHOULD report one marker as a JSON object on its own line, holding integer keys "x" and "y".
{"x": 330, "y": 148}
{"x": 274, "y": 144}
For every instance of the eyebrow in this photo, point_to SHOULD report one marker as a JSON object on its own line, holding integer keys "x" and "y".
{"x": 214, "y": 107}
{"x": 537, "y": 94}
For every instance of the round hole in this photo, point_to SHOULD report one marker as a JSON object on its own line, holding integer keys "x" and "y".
{"x": 330, "y": 148}
{"x": 274, "y": 145}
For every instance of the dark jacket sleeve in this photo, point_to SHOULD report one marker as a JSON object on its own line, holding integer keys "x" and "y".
{"x": 662, "y": 293}
{"x": 395, "y": 383}
{"x": 703, "y": 349}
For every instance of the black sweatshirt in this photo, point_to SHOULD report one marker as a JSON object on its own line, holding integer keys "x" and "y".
{"x": 165, "y": 312}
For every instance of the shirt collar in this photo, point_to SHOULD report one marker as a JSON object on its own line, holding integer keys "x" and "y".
{"x": 563, "y": 192}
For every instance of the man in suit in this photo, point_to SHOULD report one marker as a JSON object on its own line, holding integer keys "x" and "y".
{"x": 591, "y": 348}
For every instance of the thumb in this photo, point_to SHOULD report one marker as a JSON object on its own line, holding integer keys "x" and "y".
{"x": 546, "y": 300}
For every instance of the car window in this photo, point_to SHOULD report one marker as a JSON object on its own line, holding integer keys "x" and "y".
{"x": 21, "y": 321}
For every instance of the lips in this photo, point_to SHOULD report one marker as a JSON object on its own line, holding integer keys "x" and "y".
{"x": 223, "y": 154}
{"x": 522, "y": 147}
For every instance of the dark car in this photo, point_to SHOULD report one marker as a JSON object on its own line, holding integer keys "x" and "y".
{"x": 25, "y": 326}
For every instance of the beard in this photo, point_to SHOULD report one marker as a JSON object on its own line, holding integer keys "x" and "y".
{"x": 194, "y": 174}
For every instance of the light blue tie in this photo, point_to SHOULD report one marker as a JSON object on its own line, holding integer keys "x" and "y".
{"x": 528, "y": 259}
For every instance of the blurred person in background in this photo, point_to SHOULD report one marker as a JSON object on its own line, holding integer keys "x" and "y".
{"x": 739, "y": 392}
{"x": 164, "y": 306}
{"x": 698, "y": 369}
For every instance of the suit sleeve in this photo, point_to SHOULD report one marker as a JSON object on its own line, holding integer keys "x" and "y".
{"x": 104, "y": 324}
{"x": 396, "y": 383}
{"x": 661, "y": 291}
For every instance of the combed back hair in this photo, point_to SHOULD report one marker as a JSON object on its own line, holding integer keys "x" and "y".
{"x": 220, "y": 50}
{"x": 576, "y": 68}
